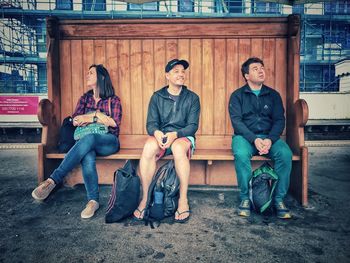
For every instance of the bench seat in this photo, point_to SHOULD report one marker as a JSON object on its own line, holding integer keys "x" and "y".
{"x": 206, "y": 155}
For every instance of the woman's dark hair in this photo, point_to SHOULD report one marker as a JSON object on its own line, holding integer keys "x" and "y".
{"x": 104, "y": 83}
{"x": 246, "y": 64}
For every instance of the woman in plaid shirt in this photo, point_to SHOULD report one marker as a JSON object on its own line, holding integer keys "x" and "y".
{"x": 92, "y": 107}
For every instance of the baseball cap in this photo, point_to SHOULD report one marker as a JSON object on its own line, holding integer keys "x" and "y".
{"x": 174, "y": 62}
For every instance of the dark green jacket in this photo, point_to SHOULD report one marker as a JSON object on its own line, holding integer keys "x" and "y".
{"x": 253, "y": 115}
{"x": 166, "y": 115}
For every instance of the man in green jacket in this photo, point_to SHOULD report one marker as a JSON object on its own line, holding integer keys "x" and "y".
{"x": 257, "y": 116}
{"x": 172, "y": 121}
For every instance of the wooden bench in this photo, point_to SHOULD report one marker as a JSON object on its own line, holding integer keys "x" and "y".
{"x": 135, "y": 53}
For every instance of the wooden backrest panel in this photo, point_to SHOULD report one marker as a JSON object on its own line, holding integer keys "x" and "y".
{"x": 136, "y": 51}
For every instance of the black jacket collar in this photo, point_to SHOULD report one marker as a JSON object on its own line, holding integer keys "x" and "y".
{"x": 164, "y": 93}
{"x": 264, "y": 89}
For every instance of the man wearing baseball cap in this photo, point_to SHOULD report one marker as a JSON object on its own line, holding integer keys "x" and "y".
{"x": 172, "y": 121}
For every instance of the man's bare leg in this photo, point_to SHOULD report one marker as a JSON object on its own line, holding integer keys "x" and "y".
{"x": 180, "y": 148}
{"x": 147, "y": 170}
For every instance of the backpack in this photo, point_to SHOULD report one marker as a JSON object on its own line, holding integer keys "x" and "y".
{"x": 66, "y": 140}
{"x": 261, "y": 188}
{"x": 163, "y": 193}
{"x": 125, "y": 194}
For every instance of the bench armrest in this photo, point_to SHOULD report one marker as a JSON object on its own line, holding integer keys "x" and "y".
{"x": 302, "y": 112}
{"x": 48, "y": 120}
{"x": 45, "y": 112}
{"x": 299, "y": 115}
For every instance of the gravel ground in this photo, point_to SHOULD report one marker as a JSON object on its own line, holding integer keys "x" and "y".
{"x": 52, "y": 231}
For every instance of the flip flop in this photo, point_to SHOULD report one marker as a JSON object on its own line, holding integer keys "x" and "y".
{"x": 141, "y": 212}
{"x": 184, "y": 220}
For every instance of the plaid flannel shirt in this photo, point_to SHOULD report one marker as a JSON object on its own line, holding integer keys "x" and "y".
{"x": 87, "y": 104}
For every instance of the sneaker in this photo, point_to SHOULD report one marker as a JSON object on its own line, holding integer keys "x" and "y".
{"x": 244, "y": 208}
{"x": 43, "y": 190}
{"x": 90, "y": 209}
{"x": 282, "y": 211}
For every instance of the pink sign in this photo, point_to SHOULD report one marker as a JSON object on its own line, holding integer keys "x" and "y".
{"x": 18, "y": 105}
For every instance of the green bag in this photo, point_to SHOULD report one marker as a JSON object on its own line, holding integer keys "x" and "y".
{"x": 92, "y": 128}
{"x": 261, "y": 187}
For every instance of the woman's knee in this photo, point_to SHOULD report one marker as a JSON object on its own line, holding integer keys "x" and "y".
{"x": 89, "y": 159}
{"x": 86, "y": 142}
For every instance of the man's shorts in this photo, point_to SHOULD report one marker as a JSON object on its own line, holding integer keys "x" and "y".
{"x": 190, "y": 152}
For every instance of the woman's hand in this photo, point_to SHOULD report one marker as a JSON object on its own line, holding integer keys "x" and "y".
{"x": 83, "y": 120}
{"x": 104, "y": 119}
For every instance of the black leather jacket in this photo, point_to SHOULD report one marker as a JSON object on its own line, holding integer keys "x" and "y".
{"x": 166, "y": 115}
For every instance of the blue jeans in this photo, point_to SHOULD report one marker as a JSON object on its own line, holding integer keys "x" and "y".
{"x": 280, "y": 153}
{"x": 84, "y": 151}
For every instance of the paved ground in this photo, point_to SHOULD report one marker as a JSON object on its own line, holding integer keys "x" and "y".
{"x": 52, "y": 231}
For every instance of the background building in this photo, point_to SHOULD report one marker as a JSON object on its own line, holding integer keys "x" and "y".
{"x": 325, "y": 41}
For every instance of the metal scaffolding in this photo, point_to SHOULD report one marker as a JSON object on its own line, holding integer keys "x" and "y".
{"x": 22, "y": 67}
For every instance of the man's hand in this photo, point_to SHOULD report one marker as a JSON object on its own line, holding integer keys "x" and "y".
{"x": 159, "y": 135}
{"x": 259, "y": 144}
{"x": 170, "y": 138}
{"x": 263, "y": 145}
{"x": 267, "y": 145}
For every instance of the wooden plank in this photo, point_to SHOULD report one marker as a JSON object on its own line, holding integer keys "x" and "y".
{"x": 233, "y": 74}
{"x": 66, "y": 78}
{"x": 77, "y": 73}
{"x": 88, "y": 58}
{"x": 124, "y": 84}
{"x": 257, "y": 47}
{"x": 184, "y": 53}
{"x": 112, "y": 63}
{"x": 53, "y": 72}
{"x": 159, "y": 64}
{"x": 213, "y": 155}
{"x": 147, "y": 77}
{"x": 269, "y": 61}
{"x": 167, "y": 28}
{"x": 244, "y": 53}
{"x": 281, "y": 69}
{"x": 171, "y": 49}
{"x": 208, "y": 87}
{"x": 220, "y": 105}
{"x": 196, "y": 73}
{"x": 137, "y": 123}
{"x": 281, "y": 72}
{"x": 100, "y": 51}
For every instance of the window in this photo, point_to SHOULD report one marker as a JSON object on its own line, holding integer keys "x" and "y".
{"x": 185, "y": 6}
{"x": 298, "y": 9}
{"x": 266, "y": 8}
{"x": 318, "y": 78}
{"x": 337, "y": 7}
{"x": 64, "y": 4}
{"x": 152, "y": 6}
{"x": 94, "y": 5}
{"x": 230, "y": 6}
